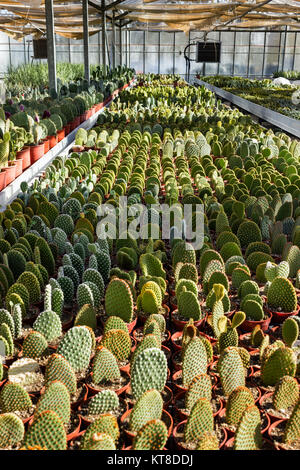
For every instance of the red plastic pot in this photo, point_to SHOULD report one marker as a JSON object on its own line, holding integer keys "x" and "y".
{"x": 178, "y": 388}
{"x": 249, "y": 325}
{"x": 174, "y": 337}
{"x": 279, "y": 317}
{"x": 274, "y": 425}
{"x": 179, "y": 429}
{"x": 230, "y": 443}
{"x": 180, "y": 324}
{"x": 52, "y": 141}
{"x": 271, "y": 416}
{"x": 131, "y": 325}
{"x": 60, "y": 135}
{"x": 136, "y": 334}
{"x": 36, "y": 152}
{"x": 24, "y": 154}
{"x": 79, "y": 402}
{"x": 166, "y": 417}
{"x": 183, "y": 416}
{"x": 10, "y": 173}
{"x": 249, "y": 348}
{"x": 19, "y": 167}
{"x": 67, "y": 129}
{"x": 2, "y": 179}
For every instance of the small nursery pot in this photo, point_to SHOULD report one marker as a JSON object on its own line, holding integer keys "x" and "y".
{"x": 178, "y": 388}
{"x": 36, "y": 152}
{"x": 184, "y": 416}
{"x": 76, "y": 404}
{"x": 271, "y": 413}
{"x": 178, "y": 431}
{"x": 279, "y": 317}
{"x": 249, "y": 325}
{"x": 175, "y": 339}
{"x": 84, "y": 419}
{"x": 267, "y": 444}
{"x": 2, "y": 180}
{"x": 180, "y": 324}
{"x": 131, "y": 325}
{"x": 274, "y": 425}
{"x": 10, "y": 173}
{"x": 19, "y": 167}
{"x": 119, "y": 391}
{"x": 52, "y": 141}
{"x": 166, "y": 418}
{"x": 138, "y": 336}
{"x": 61, "y": 135}
{"x": 24, "y": 154}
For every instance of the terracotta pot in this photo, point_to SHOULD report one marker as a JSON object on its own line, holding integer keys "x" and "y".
{"x": 60, "y": 135}
{"x": 85, "y": 421}
{"x": 166, "y": 418}
{"x": 19, "y": 167}
{"x": 136, "y": 334}
{"x": 52, "y": 141}
{"x": 120, "y": 391}
{"x": 178, "y": 388}
{"x": 179, "y": 429}
{"x": 180, "y": 324}
{"x": 270, "y": 414}
{"x": 174, "y": 337}
{"x": 277, "y": 445}
{"x": 70, "y": 436}
{"x": 76, "y": 404}
{"x": 10, "y": 173}
{"x": 249, "y": 348}
{"x": 2, "y": 179}
{"x": 184, "y": 416}
{"x": 279, "y": 317}
{"x": 266, "y": 443}
{"x": 249, "y": 325}
{"x": 67, "y": 129}
{"x": 131, "y": 325}
{"x": 142, "y": 318}
{"x": 46, "y": 145}
{"x": 36, "y": 152}
{"x": 24, "y": 154}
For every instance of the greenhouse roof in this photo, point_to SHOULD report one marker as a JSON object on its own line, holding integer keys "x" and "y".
{"x": 23, "y": 18}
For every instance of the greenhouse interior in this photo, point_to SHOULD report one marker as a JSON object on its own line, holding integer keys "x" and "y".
{"x": 150, "y": 226}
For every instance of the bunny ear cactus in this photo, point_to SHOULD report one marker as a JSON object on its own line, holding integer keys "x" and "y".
{"x": 13, "y": 397}
{"x": 160, "y": 320}
{"x": 257, "y": 336}
{"x": 286, "y": 393}
{"x": 119, "y": 300}
{"x": 282, "y": 295}
{"x": 150, "y": 298}
{"x": 290, "y": 331}
{"x": 194, "y": 361}
{"x": 208, "y": 441}
{"x": 106, "y": 424}
{"x": 186, "y": 271}
{"x": 57, "y": 299}
{"x": 59, "y": 369}
{"x": 11, "y": 430}
{"x": 200, "y": 420}
{"x": 183, "y": 252}
{"x": 47, "y": 431}
{"x": 200, "y": 387}
{"x": 231, "y": 370}
{"x": 152, "y": 436}
{"x": 149, "y": 406}
{"x": 152, "y": 328}
{"x": 148, "y": 341}
{"x": 281, "y": 361}
{"x": 217, "y": 310}
{"x": 84, "y": 295}
{"x": 101, "y": 441}
{"x": 151, "y": 266}
{"x": 292, "y": 430}
{"x": 86, "y": 316}
{"x": 229, "y": 335}
{"x": 56, "y": 398}
{"x": 188, "y": 305}
{"x": 148, "y": 371}
{"x": 272, "y": 270}
{"x": 238, "y": 401}
{"x": 114, "y": 323}
{"x": 35, "y": 345}
{"x": 6, "y": 337}
{"x": 103, "y": 402}
{"x": 49, "y": 325}
{"x": 105, "y": 366}
{"x": 6, "y": 317}
{"x": 76, "y": 347}
{"x": 118, "y": 342}
{"x": 248, "y": 434}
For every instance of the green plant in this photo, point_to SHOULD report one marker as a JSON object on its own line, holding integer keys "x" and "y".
{"x": 152, "y": 436}
{"x": 286, "y": 393}
{"x": 104, "y": 366}
{"x": 194, "y": 360}
{"x": 118, "y": 342}
{"x": 229, "y": 335}
{"x": 47, "y": 431}
{"x": 208, "y": 441}
{"x": 282, "y": 295}
{"x": 292, "y": 430}
{"x": 56, "y": 398}
{"x": 13, "y": 397}
{"x": 49, "y": 325}
{"x": 150, "y": 298}
{"x": 200, "y": 420}
{"x": 149, "y": 406}
{"x": 119, "y": 300}
{"x": 231, "y": 370}
{"x": 11, "y": 430}
{"x": 248, "y": 434}
{"x": 35, "y": 345}
{"x": 199, "y": 387}
{"x": 188, "y": 305}
{"x": 148, "y": 371}
{"x": 76, "y": 347}
{"x": 238, "y": 401}
{"x": 106, "y": 424}
{"x": 104, "y": 401}
{"x": 59, "y": 369}
{"x": 290, "y": 331}
{"x": 279, "y": 362}
{"x": 86, "y": 316}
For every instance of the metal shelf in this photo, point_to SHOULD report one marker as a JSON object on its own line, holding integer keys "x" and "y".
{"x": 290, "y": 125}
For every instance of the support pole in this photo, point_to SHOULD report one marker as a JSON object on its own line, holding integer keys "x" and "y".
{"x": 103, "y": 33}
{"x": 121, "y": 43}
{"x": 51, "y": 50}
{"x": 113, "y": 40}
{"x": 85, "y": 14}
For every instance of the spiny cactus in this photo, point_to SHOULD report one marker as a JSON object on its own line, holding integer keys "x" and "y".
{"x": 248, "y": 232}
{"x": 272, "y": 270}
{"x": 290, "y": 331}
{"x": 186, "y": 272}
{"x": 7, "y": 339}
{"x": 200, "y": 420}
{"x": 118, "y": 342}
{"x": 30, "y": 281}
{"x": 49, "y": 325}
{"x": 57, "y": 301}
{"x": 35, "y": 345}
{"x": 238, "y": 400}
{"x": 150, "y": 298}
{"x": 257, "y": 336}
{"x": 152, "y": 328}
{"x": 149, "y": 406}
{"x": 114, "y": 323}
{"x": 217, "y": 310}
{"x": 280, "y": 362}
{"x": 47, "y": 431}
{"x": 119, "y": 300}
{"x": 86, "y": 316}
{"x": 59, "y": 369}
{"x": 159, "y": 319}
{"x": 104, "y": 366}
{"x": 282, "y": 295}
{"x": 107, "y": 424}
{"x": 152, "y": 436}
{"x": 286, "y": 393}
{"x": 248, "y": 434}
{"x": 11, "y": 430}
{"x": 76, "y": 347}
{"x": 188, "y": 305}
{"x": 194, "y": 361}
{"x": 94, "y": 276}
{"x": 231, "y": 370}
{"x": 6, "y": 317}
{"x": 84, "y": 295}
{"x": 148, "y": 371}
{"x": 56, "y": 398}
{"x": 101, "y": 441}
{"x": 292, "y": 430}
{"x": 67, "y": 286}
{"x": 151, "y": 266}
{"x": 13, "y": 397}
{"x": 200, "y": 387}
{"x": 229, "y": 335}
{"x": 103, "y": 402}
